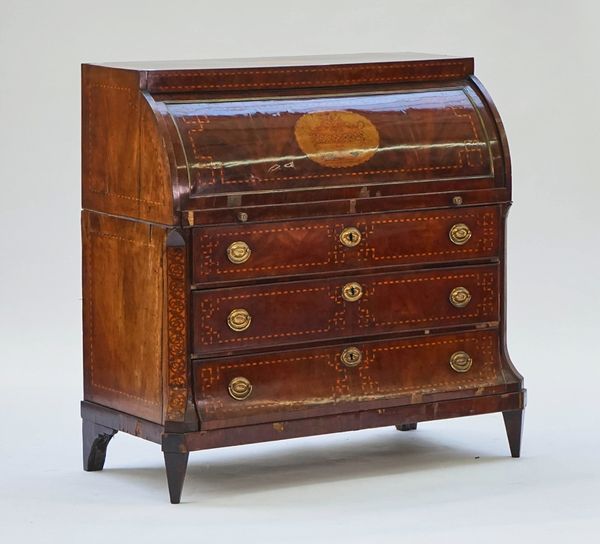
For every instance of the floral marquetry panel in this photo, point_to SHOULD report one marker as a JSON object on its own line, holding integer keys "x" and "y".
{"x": 176, "y": 334}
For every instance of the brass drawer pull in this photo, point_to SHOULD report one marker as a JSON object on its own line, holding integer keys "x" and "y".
{"x": 461, "y": 361}
{"x": 460, "y": 234}
{"x": 460, "y": 297}
{"x": 240, "y": 388}
{"x": 238, "y": 252}
{"x": 239, "y": 320}
{"x": 350, "y": 237}
{"x": 351, "y": 356}
{"x": 352, "y": 291}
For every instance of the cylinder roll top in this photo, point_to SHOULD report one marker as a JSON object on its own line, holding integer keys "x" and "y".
{"x": 160, "y": 140}
{"x": 326, "y": 140}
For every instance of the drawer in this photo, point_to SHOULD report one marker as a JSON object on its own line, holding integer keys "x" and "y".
{"x": 310, "y": 382}
{"x": 339, "y": 244}
{"x": 357, "y": 305}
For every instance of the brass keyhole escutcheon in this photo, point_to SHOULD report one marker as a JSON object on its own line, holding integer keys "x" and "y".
{"x": 350, "y": 237}
{"x": 351, "y": 356}
{"x": 238, "y": 252}
{"x": 461, "y": 361}
{"x": 239, "y": 320}
{"x": 352, "y": 291}
{"x": 460, "y": 234}
{"x": 460, "y": 297}
{"x": 240, "y": 388}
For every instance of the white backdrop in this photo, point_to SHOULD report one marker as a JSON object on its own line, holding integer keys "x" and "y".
{"x": 450, "y": 481}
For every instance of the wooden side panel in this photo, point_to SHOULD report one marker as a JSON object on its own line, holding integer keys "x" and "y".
{"x": 123, "y": 308}
{"x": 124, "y": 162}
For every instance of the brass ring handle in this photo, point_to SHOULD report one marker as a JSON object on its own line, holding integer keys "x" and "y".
{"x": 240, "y": 388}
{"x": 459, "y": 234}
{"x": 350, "y": 237}
{"x": 351, "y": 356}
{"x": 238, "y": 252}
{"x": 461, "y": 361}
{"x": 239, "y": 320}
{"x": 352, "y": 291}
{"x": 460, "y": 297}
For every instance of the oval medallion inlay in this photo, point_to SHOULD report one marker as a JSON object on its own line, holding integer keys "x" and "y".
{"x": 336, "y": 139}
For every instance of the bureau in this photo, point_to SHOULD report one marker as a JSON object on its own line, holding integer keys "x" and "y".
{"x": 276, "y": 248}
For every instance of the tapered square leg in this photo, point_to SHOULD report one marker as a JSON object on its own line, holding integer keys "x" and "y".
{"x": 513, "y": 421}
{"x": 407, "y": 427}
{"x": 95, "y": 441}
{"x": 176, "y": 465}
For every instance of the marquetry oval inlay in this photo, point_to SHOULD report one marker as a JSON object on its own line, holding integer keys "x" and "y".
{"x": 337, "y": 139}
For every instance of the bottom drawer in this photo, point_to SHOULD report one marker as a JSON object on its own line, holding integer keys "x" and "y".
{"x": 354, "y": 376}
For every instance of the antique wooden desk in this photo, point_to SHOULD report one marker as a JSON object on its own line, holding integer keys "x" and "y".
{"x": 278, "y": 248}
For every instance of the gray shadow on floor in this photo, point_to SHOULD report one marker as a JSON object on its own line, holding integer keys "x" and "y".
{"x": 307, "y": 461}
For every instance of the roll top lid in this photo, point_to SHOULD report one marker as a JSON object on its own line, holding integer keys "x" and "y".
{"x": 325, "y": 140}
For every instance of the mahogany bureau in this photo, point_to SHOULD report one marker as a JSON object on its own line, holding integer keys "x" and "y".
{"x": 286, "y": 247}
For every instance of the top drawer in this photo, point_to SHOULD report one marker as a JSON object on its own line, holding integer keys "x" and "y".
{"x": 236, "y": 253}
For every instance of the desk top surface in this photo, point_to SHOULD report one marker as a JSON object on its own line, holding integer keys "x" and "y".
{"x": 268, "y": 62}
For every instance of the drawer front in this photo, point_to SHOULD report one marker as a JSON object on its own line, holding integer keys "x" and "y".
{"x": 364, "y": 241}
{"x": 288, "y": 313}
{"x": 304, "y": 383}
